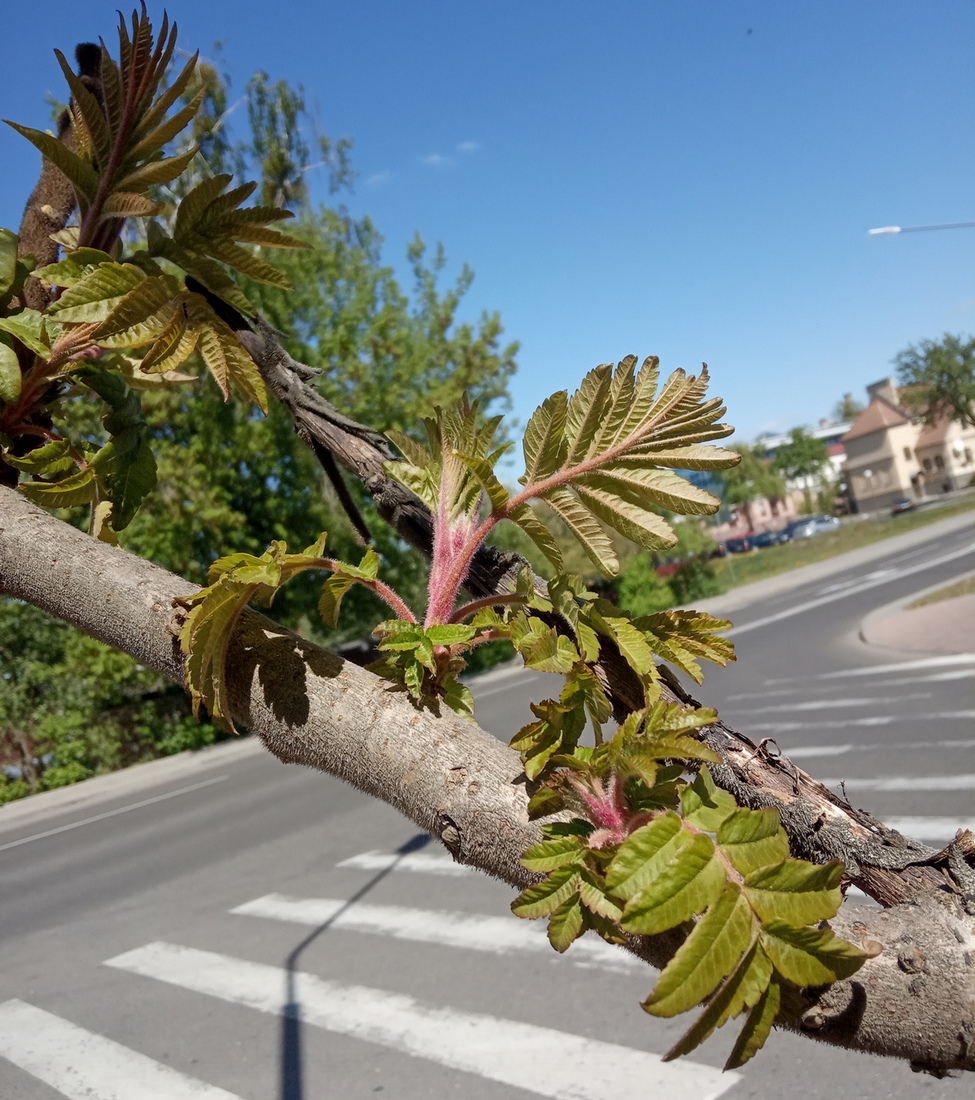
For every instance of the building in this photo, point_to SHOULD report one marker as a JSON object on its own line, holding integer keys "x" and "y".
{"x": 889, "y": 457}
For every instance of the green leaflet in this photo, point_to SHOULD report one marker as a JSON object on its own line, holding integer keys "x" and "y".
{"x": 757, "y": 1028}
{"x": 642, "y": 854}
{"x": 687, "y": 884}
{"x": 8, "y": 259}
{"x": 741, "y": 989}
{"x": 752, "y": 839}
{"x": 705, "y": 804}
{"x": 28, "y": 326}
{"x": 706, "y": 957}
{"x": 78, "y": 488}
{"x": 684, "y": 637}
{"x": 542, "y": 899}
{"x": 10, "y": 373}
{"x": 544, "y": 441}
{"x": 97, "y": 293}
{"x": 82, "y": 175}
{"x": 796, "y": 891}
{"x": 44, "y": 461}
{"x": 566, "y": 924}
{"x": 810, "y": 956}
{"x": 551, "y": 854}
{"x": 613, "y": 623}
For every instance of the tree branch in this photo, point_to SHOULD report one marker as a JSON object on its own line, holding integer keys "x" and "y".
{"x": 916, "y": 1000}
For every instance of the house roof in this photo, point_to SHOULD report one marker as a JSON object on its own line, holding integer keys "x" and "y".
{"x": 877, "y": 416}
{"x": 932, "y": 434}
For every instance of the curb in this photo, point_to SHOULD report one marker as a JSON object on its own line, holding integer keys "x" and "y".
{"x": 138, "y": 777}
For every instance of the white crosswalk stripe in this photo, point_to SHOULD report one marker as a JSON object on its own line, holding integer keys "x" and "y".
{"x": 542, "y": 1060}
{"x": 496, "y": 935}
{"x": 84, "y": 1066}
{"x": 420, "y": 862}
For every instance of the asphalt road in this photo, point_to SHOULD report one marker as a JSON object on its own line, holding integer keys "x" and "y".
{"x": 231, "y": 927}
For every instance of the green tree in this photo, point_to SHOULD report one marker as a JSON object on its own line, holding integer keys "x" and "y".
{"x": 755, "y": 476}
{"x": 228, "y": 480}
{"x": 938, "y": 379}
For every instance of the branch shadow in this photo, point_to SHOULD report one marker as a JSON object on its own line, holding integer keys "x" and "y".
{"x": 291, "y": 1062}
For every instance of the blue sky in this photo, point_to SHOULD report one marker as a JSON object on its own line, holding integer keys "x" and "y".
{"x": 693, "y": 180}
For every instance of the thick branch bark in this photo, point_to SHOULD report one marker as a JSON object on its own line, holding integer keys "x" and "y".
{"x": 915, "y": 1001}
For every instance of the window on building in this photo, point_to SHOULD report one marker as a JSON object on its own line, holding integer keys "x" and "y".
{"x": 939, "y": 462}
{"x": 927, "y": 464}
{"x": 907, "y": 453}
{"x": 968, "y": 456}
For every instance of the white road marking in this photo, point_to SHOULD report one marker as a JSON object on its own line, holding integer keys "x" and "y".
{"x": 497, "y": 935}
{"x": 412, "y": 861}
{"x": 876, "y": 720}
{"x": 830, "y": 704}
{"x": 539, "y": 1059}
{"x": 938, "y": 830}
{"x": 907, "y": 783}
{"x": 84, "y": 1066}
{"x": 874, "y": 746}
{"x": 803, "y": 688}
{"x": 112, "y": 813}
{"x": 863, "y": 584}
{"x": 899, "y": 666}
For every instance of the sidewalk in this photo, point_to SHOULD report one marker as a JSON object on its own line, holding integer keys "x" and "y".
{"x": 944, "y": 627}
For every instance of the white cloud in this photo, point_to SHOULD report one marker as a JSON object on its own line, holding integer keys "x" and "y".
{"x": 468, "y": 147}
{"x": 379, "y": 179}
{"x": 436, "y": 160}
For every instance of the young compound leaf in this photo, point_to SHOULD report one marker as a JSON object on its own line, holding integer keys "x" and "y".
{"x": 684, "y": 637}
{"x": 8, "y": 260}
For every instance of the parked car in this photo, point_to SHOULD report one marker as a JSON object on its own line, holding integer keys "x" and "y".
{"x": 740, "y": 545}
{"x": 770, "y": 538}
{"x": 807, "y": 526}
{"x": 902, "y": 504}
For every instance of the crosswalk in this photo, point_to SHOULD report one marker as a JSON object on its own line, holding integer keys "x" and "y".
{"x": 819, "y": 722}
{"x": 543, "y": 1061}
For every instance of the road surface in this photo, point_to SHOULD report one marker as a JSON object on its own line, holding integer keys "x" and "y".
{"x": 231, "y": 928}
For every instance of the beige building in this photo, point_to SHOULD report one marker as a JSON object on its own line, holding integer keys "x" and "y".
{"x": 889, "y": 457}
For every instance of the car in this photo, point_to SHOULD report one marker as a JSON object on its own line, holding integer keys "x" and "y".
{"x": 740, "y": 545}
{"x": 770, "y": 538}
{"x": 902, "y": 504}
{"x": 806, "y": 527}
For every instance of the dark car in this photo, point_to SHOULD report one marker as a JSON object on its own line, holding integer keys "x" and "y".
{"x": 740, "y": 545}
{"x": 807, "y": 526}
{"x": 770, "y": 538}
{"x": 902, "y": 504}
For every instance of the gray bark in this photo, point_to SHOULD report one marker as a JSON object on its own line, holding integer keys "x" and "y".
{"x": 915, "y": 1001}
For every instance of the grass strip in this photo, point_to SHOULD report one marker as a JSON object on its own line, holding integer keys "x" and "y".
{"x": 738, "y": 569}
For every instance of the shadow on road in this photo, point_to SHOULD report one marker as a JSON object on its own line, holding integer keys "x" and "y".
{"x": 292, "y": 1073}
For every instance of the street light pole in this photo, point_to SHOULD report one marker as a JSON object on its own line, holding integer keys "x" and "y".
{"x": 887, "y": 230}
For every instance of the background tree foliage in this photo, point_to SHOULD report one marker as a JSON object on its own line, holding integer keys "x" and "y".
{"x": 230, "y": 480}
{"x": 939, "y": 379}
